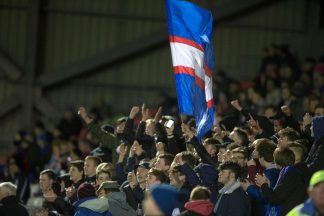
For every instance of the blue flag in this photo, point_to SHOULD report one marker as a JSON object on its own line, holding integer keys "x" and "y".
{"x": 190, "y": 36}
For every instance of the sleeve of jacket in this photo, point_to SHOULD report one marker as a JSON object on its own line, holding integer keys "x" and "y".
{"x": 105, "y": 139}
{"x": 202, "y": 152}
{"x": 140, "y": 130}
{"x": 316, "y": 162}
{"x": 282, "y": 191}
{"x": 128, "y": 132}
{"x": 121, "y": 176}
{"x": 191, "y": 176}
{"x": 160, "y": 133}
{"x": 130, "y": 164}
{"x": 131, "y": 199}
{"x": 255, "y": 193}
{"x": 64, "y": 206}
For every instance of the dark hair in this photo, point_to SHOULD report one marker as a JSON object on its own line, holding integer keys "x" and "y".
{"x": 168, "y": 158}
{"x": 241, "y": 150}
{"x": 188, "y": 158}
{"x": 232, "y": 166}
{"x": 177, "y": 169}
{"x": 200, "y": 193}
{"x": 242, "y": 135}
{"x": 211, "y": 141}
{"x": 232, "y": 146}
{"x": 96, "y": 159}
{"x": 265, "y": 148}
{"x": 79, "y": 164}
{"x": 290, "y": 133}
{"x": 50, "y": 173}
{"x": 159, "y": 175}
{"x": 284, "y": 157}
{"x": 301, "y": 149}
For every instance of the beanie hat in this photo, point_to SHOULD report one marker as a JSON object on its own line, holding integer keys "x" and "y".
{"x": 317, "y": 177}
{"x": 86, "y": 190}
{"x": 166, "y": 197}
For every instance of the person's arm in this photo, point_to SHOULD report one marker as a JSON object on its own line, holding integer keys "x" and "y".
{"x": 128, "y": 132}
{"x": 282, "y": 191}
{"x": 106, "y": 139}
{"x": 202, "y": 152}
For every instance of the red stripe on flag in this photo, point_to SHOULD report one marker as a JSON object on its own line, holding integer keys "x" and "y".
{"x": 200, "y": 82}
{"x": 210, "y": 103}
{"x": 184, "y": 70}
{"x": 192, "y": 43}
{"x": 208, "y": 72}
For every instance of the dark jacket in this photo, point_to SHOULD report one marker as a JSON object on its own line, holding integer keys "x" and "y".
{"x": 207, "y": 177}
{"x": 134, "y": 196}
{"x": 198, "y": 208}
{"x": 10, "y": 206}
{"x": 107, "y": 140}
{"x": 315, "y": 159}
{"x": 289, "y": 191}
{"x": 91, "y": 206}
{"x": 233, "y": 202}
{"x": 59, "y": 205}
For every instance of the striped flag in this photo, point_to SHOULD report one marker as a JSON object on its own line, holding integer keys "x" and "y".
{"x": 190, "y": 34}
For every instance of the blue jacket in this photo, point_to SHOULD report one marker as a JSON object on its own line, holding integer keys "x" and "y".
{"x": 233, "y": 202}
{"x": 87, "y": 207}
{"x": 208, "y": 176}
{"x": 255, "y": 193}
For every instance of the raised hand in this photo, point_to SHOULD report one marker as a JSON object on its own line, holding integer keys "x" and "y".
{"x": 145, "y": 113}
{"x": 158, "y": 115}
{"x": 84, "y": 115}
{"x": 133, "y": 112}
{"x": 236, "y": 105}
{"x": 131, "y": 178}
{"x": 286, "y": 110}
{"x": 307, "y": 120}
{"x": 186, "y": 131}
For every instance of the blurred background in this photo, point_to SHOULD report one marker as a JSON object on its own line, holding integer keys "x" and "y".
{"x": 108, "y": 55}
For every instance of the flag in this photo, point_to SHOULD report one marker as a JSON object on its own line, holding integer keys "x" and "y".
{"x": 190, "y": 34}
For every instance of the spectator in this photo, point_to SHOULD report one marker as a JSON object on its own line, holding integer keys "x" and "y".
{"x": 77, "y": 177}
{"x": 314, "y": 205}
{"x": 9, "y": 203}
{"x": 161, "y": 199}
{"x": 90, "y": 165}
{"x": 289, "y": 189}
{"x": 84, "y": 206}
{"x": 199, "y": 203}
{"x": 116, "y": 199}
{"x": 231, "y": 192}
{"x": 156, "y": 176}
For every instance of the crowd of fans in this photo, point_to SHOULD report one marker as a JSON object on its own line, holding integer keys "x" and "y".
{"x": 264, "y": 156}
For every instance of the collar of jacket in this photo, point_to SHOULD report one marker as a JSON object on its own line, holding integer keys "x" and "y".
{"x": 308, "y": 207}
{"x": 230, "y": 188}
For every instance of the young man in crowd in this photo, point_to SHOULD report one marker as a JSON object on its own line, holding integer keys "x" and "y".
{"x": 90, "y": 166}
{"x": 231, "y": 193}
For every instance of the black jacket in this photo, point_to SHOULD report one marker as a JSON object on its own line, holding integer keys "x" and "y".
{"x": 10, "y": 206}
{"x": 290, "y": 192}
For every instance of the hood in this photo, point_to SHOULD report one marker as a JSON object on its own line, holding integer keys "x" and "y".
{"x": 207, "y": 173}
{"x": 202, "y": 207}
{"x": 98, "y": 205}
{"x": 119, "y": 199}
{"x": 318, "y": 127}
